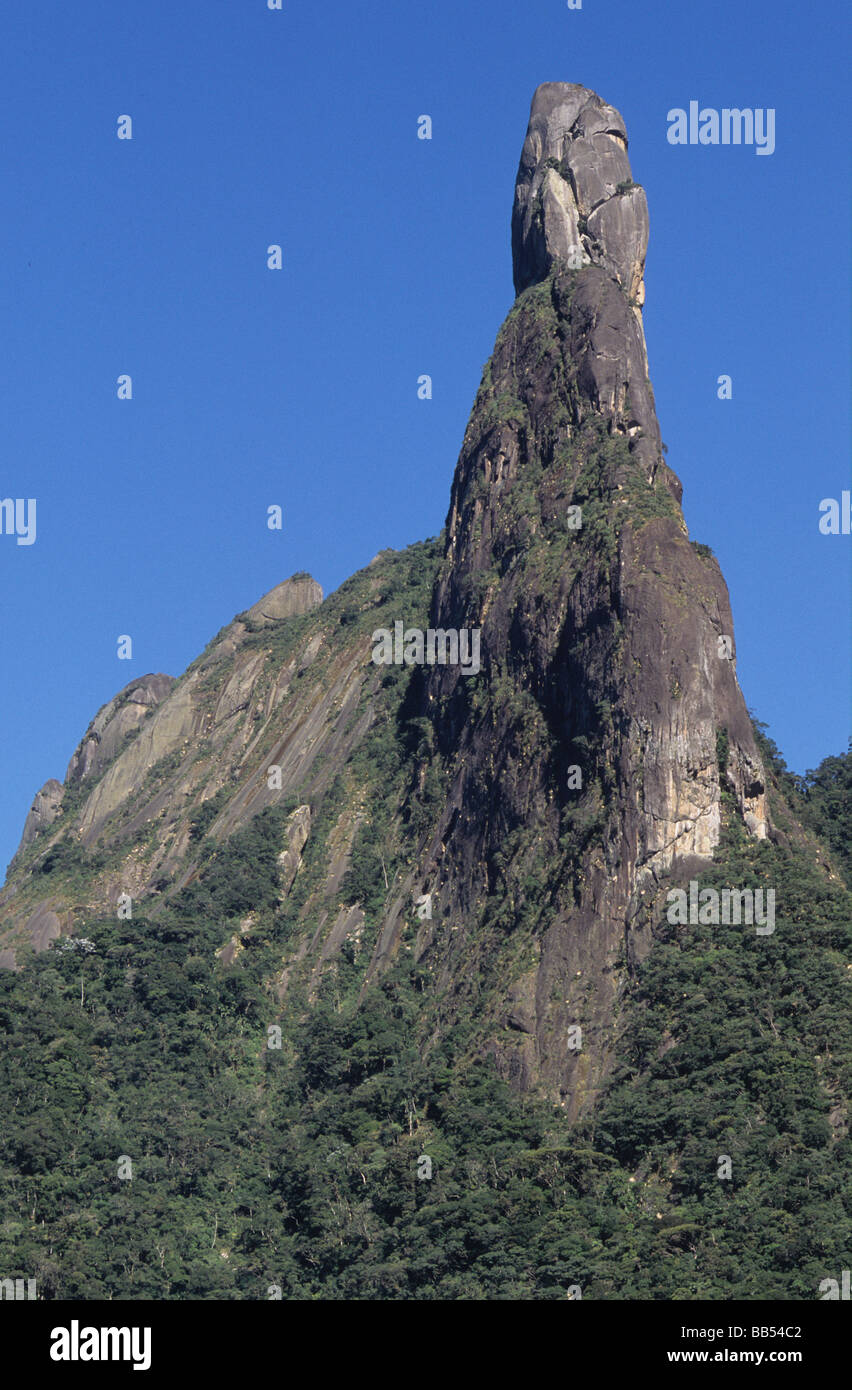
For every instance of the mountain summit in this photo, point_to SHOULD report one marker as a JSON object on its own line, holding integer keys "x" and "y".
{"x": 608, "y": 644}
{"x": 575, "y": 201}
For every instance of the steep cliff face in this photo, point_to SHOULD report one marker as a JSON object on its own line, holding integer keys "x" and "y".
{"x": 608, "y": 633}
{"x": 536, "y": 807}
{"x": 43, "y": 812}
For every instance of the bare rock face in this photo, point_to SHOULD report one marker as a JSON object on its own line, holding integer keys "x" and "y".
{"x": 163, "y": 733}
{"x": 290, "y": 858}
{"x": 44, "y": 926}
{"x": 576, "y": 205}
{"x": 109, "y": 729}
{"x": 43, "y": 812}
{"x": 575, "y": 200}
{"x": 297, "y": 595}
{"x": 155, "y": 716}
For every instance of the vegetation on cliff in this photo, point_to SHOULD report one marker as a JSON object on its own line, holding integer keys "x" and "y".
{"x": 298, "y": 1166}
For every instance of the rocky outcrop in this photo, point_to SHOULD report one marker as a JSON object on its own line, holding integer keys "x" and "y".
{"x": 43, "y": 812}
{"x": 297, "y": 595}
{"x": 575, "y": 200}
{"x": 43, "y": 926}
{"x": 172, "y": 722}
{"x": 112, "y": 725}
{"x": 298, "y": 830}
{"x": 613, "y": 642}
{"x": 155, "y": 718}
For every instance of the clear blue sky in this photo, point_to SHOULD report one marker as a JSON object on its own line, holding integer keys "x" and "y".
{"x": 254, "y": 387}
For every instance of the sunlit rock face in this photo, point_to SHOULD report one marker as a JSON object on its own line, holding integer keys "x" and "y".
{"x": 575, "y": 200}
{"x": 43, "y": 812}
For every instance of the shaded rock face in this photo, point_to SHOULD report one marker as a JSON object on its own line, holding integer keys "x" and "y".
{"x": 44, "y": 926}
{"x": 612, "y": 643}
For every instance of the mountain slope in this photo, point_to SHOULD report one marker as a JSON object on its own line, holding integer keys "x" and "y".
{"x": 344, "y": 901}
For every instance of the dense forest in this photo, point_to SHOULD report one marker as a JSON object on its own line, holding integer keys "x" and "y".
{"x": 161, "y": 1139}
